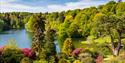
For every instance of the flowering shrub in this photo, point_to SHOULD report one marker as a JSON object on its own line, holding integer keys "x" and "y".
{"x": 1, "y": 50}
{"x": 99, "y": 59}
{"x": 28, "y": 53}
{"x": 77, "y": 51}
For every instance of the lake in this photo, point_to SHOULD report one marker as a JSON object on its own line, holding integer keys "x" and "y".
{"x": 22, "y": 38}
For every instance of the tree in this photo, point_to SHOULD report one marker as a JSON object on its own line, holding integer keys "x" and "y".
{"x": 63, "y": 28}
{"x": 110, "y": 25}
{"x": 1, "y": 25}
{"x": 29, "y": 26}
{"x": 61, "y": 17}
{"x": 108, "y": 7}
{"x": 67, "y": 47}
{"x": 38, "y": 28}
{"x": 49, "y": 45}
{"x": 120, "y": 9}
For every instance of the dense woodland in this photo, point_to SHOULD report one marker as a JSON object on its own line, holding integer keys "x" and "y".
{"x": 102, "y": 30}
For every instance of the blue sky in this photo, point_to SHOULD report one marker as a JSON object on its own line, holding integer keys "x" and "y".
{"x": 46, "y": 5}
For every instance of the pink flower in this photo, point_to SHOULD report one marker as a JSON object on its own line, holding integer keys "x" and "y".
{"x": 28, "y": 52}
{"x": 99, "y": 59}
{"x": 1, "y": 49}
{"x": 77, "y": 51}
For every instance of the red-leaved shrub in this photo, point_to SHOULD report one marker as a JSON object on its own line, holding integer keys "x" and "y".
{"x": 29, "y": 53}
{"x": 77, "y": 51}
{"x": 1, "y": 49}
{"x": 99, "y": 59}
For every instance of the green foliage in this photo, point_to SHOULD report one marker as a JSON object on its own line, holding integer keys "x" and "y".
{"x": 38, "y": 29}
{"x": 88, "y": 60}
{"x": 40, "y": 61}
{"x": 30, "y": 25}
{"x": 67, "y": 47}
{"x": 120, "y": 10}
{"x": 118, "y": 59}
{"x": 105, "y": 23}
{"x": 1, "y": 25}
{"x": 108, "y": 7}
{"x": 63, "y": 61}
{"x": 26, "y": 60}
{"x": 63, "y": 28}
{"x": 12, "y": 55}
{"x": 49, "y": 46}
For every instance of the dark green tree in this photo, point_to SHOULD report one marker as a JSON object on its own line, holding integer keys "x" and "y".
{"x": 38, "y": 33}
{"x": 1, "y": 25}
{"x": 49, "y": 45}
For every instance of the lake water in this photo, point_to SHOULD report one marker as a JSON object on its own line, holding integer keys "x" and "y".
{"x": 22, "y": 38}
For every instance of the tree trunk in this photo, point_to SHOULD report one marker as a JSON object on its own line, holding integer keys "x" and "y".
{"x": 116, "y": 49}
{"x": 115, "y": 52}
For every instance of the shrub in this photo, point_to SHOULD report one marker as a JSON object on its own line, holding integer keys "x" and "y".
{"x": 99, "y": 59}
{"x": 52, "y": 59}
{"x": 40, "y": 61}
{"x": 1, "y": 50}
{"x": 77, "y": 61}
{"x": 62, "y": 55}
{"x": 67, "y": 47}
{"x": 77, "y": 51}
{"x": 28, "y": 53}
{"x": 88, "y": 60}
{"x": 86, "y": 57}
{"x": 64, "y": 61}
{"x": 117, "y": 59}
{"x": 26, "y": 60}
{"x": 11, "y": 55}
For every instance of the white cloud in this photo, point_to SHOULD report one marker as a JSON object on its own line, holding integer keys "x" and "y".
{"x": 6, "y": 1}
{"x": 11, "y": 7}
{"x": 74, "y": 5}
{"x": 7, "y": 6}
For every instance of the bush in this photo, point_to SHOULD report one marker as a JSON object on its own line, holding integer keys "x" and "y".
{"x": 62, "y": 55}
{"x": 40, "y": 61}
{"x": 1, "y": 50}
{"x": 29, "y": 53}
{"x": 99, "y": 59}
{"x": 64, "y": 61}
{"x": 118, "y": 59}
{"x": 11, "y": 55}
{"x": 76, "y": 52}
{"x": 26, "y": 60}
{"x": 77, "y": 61}
{"x": 88, "y": 60}
{"x": 86, "y": 57}
{"x": 67, "y": 47}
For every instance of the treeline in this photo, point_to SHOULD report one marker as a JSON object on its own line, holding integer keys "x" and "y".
{"x": 73, "y": 23}
{"x": 14, "y": 20}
